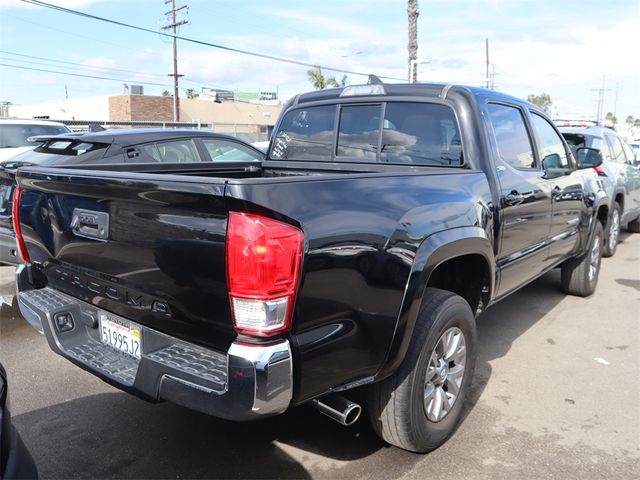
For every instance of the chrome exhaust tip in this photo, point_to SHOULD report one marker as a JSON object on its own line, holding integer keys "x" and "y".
{"x": 338, "y": 408}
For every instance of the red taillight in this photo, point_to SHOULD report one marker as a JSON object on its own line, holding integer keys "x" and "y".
{"x": 263, "y": 270}
{"x": 15, "y": 213}
{"x": 600, "y": 171}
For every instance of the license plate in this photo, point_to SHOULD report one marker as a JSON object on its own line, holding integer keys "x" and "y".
{"x": 120, "y": 334}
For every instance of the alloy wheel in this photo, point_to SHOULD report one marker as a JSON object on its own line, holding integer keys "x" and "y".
{"x": 445, "y": 373}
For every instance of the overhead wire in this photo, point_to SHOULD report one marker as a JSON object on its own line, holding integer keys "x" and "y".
{"x": 80, "y": 75}
{"x": 198, "y": 42}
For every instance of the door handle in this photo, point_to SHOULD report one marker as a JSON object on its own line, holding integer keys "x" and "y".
{"x": 513, "y": 198}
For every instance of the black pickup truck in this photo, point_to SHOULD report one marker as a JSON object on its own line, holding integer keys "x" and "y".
{"x": 357, "y": 255}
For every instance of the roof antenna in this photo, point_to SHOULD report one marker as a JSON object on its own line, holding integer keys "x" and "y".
{"x": 374, "y": 80}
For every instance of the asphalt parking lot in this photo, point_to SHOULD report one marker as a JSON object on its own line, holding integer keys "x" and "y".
{"x": 556, "y": 394}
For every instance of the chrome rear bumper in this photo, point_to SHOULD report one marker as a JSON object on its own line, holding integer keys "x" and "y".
{"x": 246, "y": 382}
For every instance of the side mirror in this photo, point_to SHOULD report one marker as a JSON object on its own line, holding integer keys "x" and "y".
{"x": 588, "y": 158}
{"x": 551, "y": 162}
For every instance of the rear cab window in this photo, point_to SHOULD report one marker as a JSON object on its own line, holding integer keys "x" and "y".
{"x": 388, "y": 132}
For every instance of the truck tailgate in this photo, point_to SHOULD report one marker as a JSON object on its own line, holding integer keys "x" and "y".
{"x": 150, "y": 250}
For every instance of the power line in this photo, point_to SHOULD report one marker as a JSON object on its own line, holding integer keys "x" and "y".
{"x": 198, "y": 42}
{"x": 80, "y": 75}
{"x": 50, "y": 61}
{"x": 106, "y": 70}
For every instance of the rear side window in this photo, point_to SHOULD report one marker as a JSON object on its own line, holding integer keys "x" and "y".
{"x": 550, "y": 147}
{"x": 305, "y": 134}
{"x": 221, "y": 150}
{"x": 179, "y": 151}
{"x": 512, "y": 139}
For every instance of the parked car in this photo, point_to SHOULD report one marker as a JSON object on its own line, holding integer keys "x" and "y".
{"x": 15, "y": 460}
{"x": 621, "y": 174}
{"x": 383, "y": 220}
{"x": 635, "y": 147}
{"x": 15, "y": 135}
{"x": 132, "y": 149}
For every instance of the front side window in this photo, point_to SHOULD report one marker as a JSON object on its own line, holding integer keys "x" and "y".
{"x": 550, "y": 146}
{"x": 305, "y": 134}
{"x": 178, "y": 151}
{"x": 512, "y": 139}
{"x": 221, "y": 150}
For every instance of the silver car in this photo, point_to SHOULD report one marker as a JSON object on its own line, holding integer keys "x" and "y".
{"x": 620, "y": 171}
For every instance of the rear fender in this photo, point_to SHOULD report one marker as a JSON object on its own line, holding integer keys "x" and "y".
{"x": 433, "y": 251}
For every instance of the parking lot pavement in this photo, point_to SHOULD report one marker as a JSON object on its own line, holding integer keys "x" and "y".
{"x": 556, "y": 394}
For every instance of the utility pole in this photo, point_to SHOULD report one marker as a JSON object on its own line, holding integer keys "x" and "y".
{"x": 486, "y": 44}
{"x": 171, "y": 16}
{"x": 601, "y": 100}
{"x": 412, "y": 13}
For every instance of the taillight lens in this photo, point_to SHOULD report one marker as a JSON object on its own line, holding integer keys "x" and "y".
{"x": 600, "y": 171}
{"x": 263, "y": 271}
{"x": 15, "y": 213}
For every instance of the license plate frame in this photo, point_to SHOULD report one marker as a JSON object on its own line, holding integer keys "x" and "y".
{"x": 120, "y": 334}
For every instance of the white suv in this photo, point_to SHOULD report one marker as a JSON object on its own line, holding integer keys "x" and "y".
{"x": 15, "y": 134}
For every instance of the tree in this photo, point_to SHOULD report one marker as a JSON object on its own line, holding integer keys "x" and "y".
{"x": 611, "y": 118}
{"x": 191, "y": 93}
{"x": 165, "y": 93}
{"x": 319, "y": 81}
{"x": 629, "y": 120}
{"x": 543, "y": 101}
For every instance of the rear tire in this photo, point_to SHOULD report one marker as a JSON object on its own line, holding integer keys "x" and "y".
{"x": 634, "y": 225}
{"x": 420, "y": 405}
{"x": 579, "y": 276}
{"x": 613, "y": 233}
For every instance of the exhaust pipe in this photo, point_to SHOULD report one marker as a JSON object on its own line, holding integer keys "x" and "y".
{"x": 338, "y": 408}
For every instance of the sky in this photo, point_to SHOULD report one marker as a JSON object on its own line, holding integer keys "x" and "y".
{"x": 569, "y": 49}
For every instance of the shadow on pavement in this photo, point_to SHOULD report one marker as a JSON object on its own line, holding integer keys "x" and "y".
{"x": 117, "y": 435}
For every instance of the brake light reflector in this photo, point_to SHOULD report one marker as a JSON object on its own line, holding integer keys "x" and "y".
{"x": 600, "y": 171}
{"x": 264, "y": 258}
{"x": 15, "y": 213}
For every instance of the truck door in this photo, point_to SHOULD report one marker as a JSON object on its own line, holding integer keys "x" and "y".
{"x": 525, "y": 199}
{"x": 567, "y": 188}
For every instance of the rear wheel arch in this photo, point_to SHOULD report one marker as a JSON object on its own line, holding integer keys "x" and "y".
{"x": 437, "y": 258}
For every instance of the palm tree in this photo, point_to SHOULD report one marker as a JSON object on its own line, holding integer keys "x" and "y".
{"x": 412, "y": 13}
{"x": 319, "y": 81}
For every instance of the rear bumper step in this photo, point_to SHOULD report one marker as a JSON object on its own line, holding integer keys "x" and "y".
{"x": 244, "y": 383}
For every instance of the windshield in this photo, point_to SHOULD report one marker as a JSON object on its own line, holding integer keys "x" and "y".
{"x": 16, "y": 135}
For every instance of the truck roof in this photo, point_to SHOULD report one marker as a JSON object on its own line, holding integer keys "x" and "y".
{"x": 408, "y": 90}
